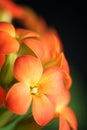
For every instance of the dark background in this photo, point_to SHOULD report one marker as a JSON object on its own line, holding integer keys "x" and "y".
{"x": 70, "y": 20}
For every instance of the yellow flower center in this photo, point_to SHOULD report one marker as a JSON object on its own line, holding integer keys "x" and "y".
{"x": 34, "y": 90}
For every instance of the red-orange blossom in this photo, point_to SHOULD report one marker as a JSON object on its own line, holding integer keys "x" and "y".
{"x": 37, "y": 86}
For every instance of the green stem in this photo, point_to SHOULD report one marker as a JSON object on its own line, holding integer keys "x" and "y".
{"x": 5, "y": 15}
{"x": 6, "y": 73}
{"x": 5, "y": 117}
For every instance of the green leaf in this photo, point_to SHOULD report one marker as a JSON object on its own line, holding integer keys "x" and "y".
{"x": 53, "y": 125}
{"x": 5, "y": 117}
{"x": 25, "y": 50}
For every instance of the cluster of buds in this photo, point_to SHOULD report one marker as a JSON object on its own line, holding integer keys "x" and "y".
{"x": 34, "y": 70}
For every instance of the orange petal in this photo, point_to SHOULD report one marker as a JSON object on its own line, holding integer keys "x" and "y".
{"x": 7, "y": 27}
{"x": 63, "y": 63}
{"x": 48, "y": 47}
{"x": 42, "y": 109}
{"x": 18, "y": 98}
{"x": 63, "y": 125}
{"x": 67, "y": 79}
{"x": 33, "y": 21}
{"x": 69, "y": 115}
{"x": 51, "y": 44}
{"x": 2, "y": 60}
{"x": 24, "y": 33}
{"x": 36, "y": 46}
{"x": 51, "y": 82}
{"x": 7, "y": 43}
{"x": 30, "y": 69}
{"x": 2, "y": 95}
{"x": 62, "y": 100}
{"x": 56, "y": 40}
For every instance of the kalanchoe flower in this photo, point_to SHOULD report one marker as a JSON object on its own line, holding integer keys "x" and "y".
{"x": 10, "y": 39}
{"x": 37, "y": 86}
{"x": 8, "y": 43}
{"x": 8, "y": 48}
{"x": 47, "y": 47}
{"x": 2, "y": 95}
{"x": 15, "y": 10}
{"x": 21, "y": 13}
{"x": 65, "y": 114}
{"x": 50, "y": 51}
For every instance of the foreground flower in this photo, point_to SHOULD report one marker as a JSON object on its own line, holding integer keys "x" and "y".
{"x": 37, "y": 86}
{"x": 65, "y": 114}
{"x": 2, "y": 95}
{"x": 48, "y": 48}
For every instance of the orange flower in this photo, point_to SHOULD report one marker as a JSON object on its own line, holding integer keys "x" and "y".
{"x": 8, "y": 43}
{"x": 15, "y": 10}
{"x": 2, "y": 95}
{"x": 10, "y": 39}
{"x": 47, "y": 47}
{"x": 67, "y": 118}
{"x": 50, "y": 51}
{"x": 37, "y": 86}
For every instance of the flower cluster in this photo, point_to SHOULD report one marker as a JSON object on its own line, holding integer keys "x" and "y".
{"x": 34, "y": 70}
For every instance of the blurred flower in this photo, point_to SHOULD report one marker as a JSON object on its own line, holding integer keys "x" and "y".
{"x": 8, "y": 43}
{"x": 36, "y": 86}
{"x": 67, "y": 119}
{"x": 50, "y": 51}
{"x": 15, "y": 10}
{"x": 65, "y": 114}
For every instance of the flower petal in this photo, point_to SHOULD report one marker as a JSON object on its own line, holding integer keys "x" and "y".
{"x": 67, "y": 79}
{"x": 36, "y": 46}
{"x": 42, "y": 109}
{"x": 51, "y": 82}
{"x": 63, "y": 63}
{"x": 63, "y": 124}
{"x": 62, "y": 100}
{"x": 2, "y": 59}
{"x": 56, "y": 40}
{"x": 24, "y": 33}
{"x": 7, "y": 43}
{"x": 69, "y": 115}
{"x": 7, "y": 27}
{"x": 18, "y": 98}
{"x": 33, "y": 22}
{"x": 28, "y": 69}
{"x": 2, "y": 95}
